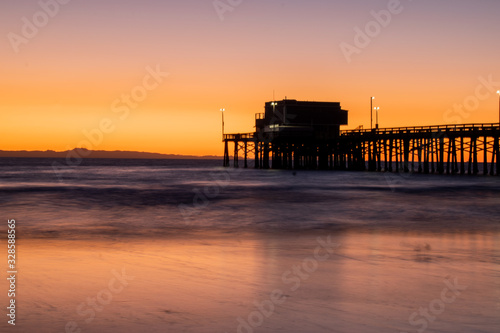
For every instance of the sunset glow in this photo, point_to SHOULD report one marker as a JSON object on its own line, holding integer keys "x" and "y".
{"x": 427, "y": 63}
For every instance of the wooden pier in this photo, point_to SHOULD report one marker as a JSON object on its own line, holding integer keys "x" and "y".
{"x": 450, "y": 149}
{"x": 470, "y": 149}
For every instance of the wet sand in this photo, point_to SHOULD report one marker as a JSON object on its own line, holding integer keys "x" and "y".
{"x": 321, "y": 281}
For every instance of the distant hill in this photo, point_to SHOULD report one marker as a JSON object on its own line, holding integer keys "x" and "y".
{"x": 84, "y": 153}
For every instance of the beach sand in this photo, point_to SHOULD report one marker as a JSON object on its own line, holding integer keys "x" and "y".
{"x": 260, "y": 282}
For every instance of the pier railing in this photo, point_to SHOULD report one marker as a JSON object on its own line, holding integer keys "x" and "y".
{"x": 239, "y": 136}
{"x": 424, "y": 129}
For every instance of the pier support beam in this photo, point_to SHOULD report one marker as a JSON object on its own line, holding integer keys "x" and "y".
{"x": 226, "y": 154}
{"x": 235, "y": 162}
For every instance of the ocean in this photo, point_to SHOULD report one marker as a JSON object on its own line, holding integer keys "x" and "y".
{"x": 214, "y": 249}
{"x": 116, "y": 198}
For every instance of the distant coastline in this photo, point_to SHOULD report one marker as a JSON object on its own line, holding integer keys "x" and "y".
{"x": 84, "y": 153}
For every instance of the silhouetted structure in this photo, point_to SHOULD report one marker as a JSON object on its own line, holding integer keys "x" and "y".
{"x": 306, "y": 135}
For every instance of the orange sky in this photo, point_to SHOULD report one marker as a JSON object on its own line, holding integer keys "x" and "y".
{"x": 64, "y": 80}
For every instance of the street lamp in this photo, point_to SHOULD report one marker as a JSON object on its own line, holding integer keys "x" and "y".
{"x": 376, "y": 121}
{"x": 274, "y": 105}
{"x": 498, "y": 92}
{"x": 222, "y": 112}
{"x": 371, "y": 112}
{"x": 274, "y": 108}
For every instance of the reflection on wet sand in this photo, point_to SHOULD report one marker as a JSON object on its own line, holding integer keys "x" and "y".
{"x": 370, "y": 282}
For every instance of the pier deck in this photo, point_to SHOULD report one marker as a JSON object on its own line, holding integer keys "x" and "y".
{"x": 444, "y": 149}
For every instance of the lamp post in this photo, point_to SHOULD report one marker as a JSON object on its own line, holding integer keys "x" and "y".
{"x": 274, "y": 107}
{"x": 376, "y": 121}
{"x": 371, "y": 112}
{"x": 498, "y": 92}
{"x": 222, "y": 112}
